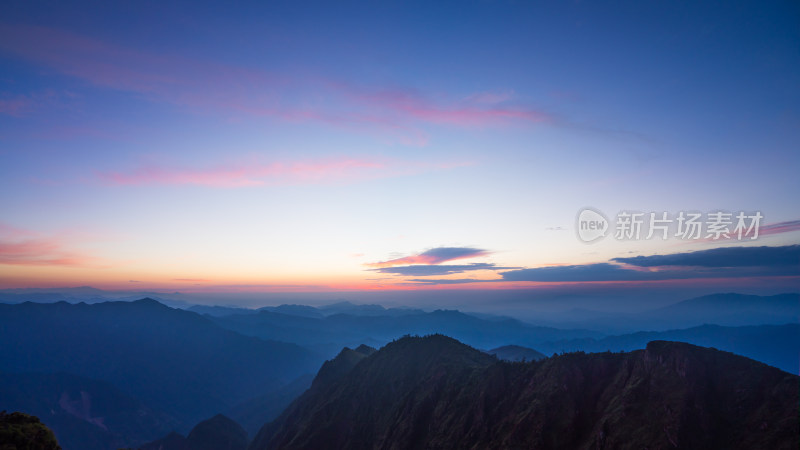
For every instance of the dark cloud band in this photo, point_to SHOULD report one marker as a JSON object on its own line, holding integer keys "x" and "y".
{"x": 729, "y": 262}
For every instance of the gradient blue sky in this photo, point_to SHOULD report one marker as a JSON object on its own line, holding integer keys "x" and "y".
{"x": 304, "y": 146}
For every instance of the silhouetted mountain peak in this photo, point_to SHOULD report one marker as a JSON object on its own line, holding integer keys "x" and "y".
{"x": 434, "y": 349}
{"x": 671, "y": 395}
{"x": 365, "y": 349}
{"x": 172, "y": 441}
{"x": 339, "y": 366}
{"x": 216, "y": 433}
{"x": 149, "y": 302}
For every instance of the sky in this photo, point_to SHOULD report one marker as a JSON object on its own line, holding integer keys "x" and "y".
{"x": 397, "y": 146}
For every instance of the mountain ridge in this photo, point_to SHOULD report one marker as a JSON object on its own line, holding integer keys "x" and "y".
{"x": 176, "y": 360}
{"x": 771, "y": 344}
{"x": 435, "y": 392}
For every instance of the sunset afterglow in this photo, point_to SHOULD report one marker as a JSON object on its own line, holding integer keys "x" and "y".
{"x": 331, "y": 151}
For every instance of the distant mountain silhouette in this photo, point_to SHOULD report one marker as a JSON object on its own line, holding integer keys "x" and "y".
{"x": 84, "y": 414}
{"x": 23, "y": 431}
{"x": 516, "y": 353}
{"x": 775, "y": 345}
{"x": 219, "y": 311}
{"x": 435, "y": 392}
{"x": 294, "y": 310}
{"x": 316, "y": 312}
{"x": 716, "y": 309}
{"x": 329, "y": 334}
{"x": 216, "y": 433}
{"x": 83, "y": 294}
{"x": 353, "y": 309}
{"x": 174, "y": 360}
{"x": 731, "y": 310}
{"x": 771, "y": 344}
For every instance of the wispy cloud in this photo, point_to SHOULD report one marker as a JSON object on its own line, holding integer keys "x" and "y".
{"x": 26, "y": 248}
{"x": 10, "y": 232}
{"x": 780, "y": 227}
{"x": 490, "y": 97}
{"x": 765, "y": 230}
{"x": 437, "y": 270}
{"x": 16, "y": 106}
{"x": 467, "y": 112}
{"x": 399, "y": 113}
{"x": 95, "y": 61}
{"x": 22, "y": 105}
{"x": 433, "y": 256}
{"x": 269, "y": 174}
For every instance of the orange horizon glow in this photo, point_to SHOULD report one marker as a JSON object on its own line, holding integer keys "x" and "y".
{"x": 255, "y": 286}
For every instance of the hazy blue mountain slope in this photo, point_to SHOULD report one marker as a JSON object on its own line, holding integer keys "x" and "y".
{"x": 776, "y": 345}
{"x": 252, "y": 414}
{"x": 718, "y": 309}
{"x": 175, "y": 360}
{"x": 84, "y": 414}
{"x": 331, "y": 333}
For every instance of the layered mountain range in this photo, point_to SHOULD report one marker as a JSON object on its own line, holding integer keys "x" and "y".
{"x": 120, "y": 374}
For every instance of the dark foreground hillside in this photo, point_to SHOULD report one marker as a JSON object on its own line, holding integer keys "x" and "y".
{"x": 22, "y": 431}
{"x": 435, "y": 392}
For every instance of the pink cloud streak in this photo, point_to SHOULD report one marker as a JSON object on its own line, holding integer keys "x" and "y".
{"x": 433, "y": 256}
{"x": 780, "y": 227}
{"x": 470, "y": 112}
{"x": 269, "y": 174}
{"x": 208, "y": 87}
{"x": 18, "y": 248}
{"x": 16, "y": 107}
{"x": 38, "y": 252}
